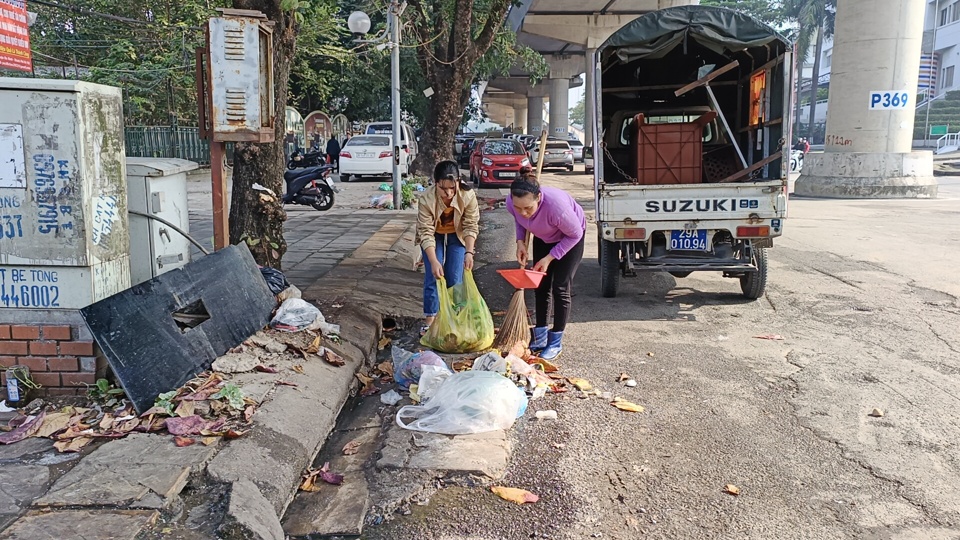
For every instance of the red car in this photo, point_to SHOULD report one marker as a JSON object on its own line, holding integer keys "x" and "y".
{"x": 497, "y": 162}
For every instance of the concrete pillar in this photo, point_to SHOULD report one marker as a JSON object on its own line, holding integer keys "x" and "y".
{"x": 869, "y": 138}
{"x": 535, "y": 115}
{"x": 559, "y": 107}
{"x": 520, "y": 113}
{"x": 590, "y": 92}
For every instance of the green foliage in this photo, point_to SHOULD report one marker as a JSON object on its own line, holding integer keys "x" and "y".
{"x": 165, "y": 401}
{"x": 768, "y": 11}
{"x": 577, "y": 113}
{"x": 232, "y": 394}
{"x": 105, "y": 393}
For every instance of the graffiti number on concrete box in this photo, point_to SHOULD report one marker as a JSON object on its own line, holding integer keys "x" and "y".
{"x": 888, "y": 100}
{"x": 13, "y": 167}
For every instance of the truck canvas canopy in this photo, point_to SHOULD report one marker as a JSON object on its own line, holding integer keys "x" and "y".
{"x": 681, "y": 64}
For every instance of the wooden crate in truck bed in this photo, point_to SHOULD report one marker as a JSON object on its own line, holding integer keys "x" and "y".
{"x": 665, "y": 154}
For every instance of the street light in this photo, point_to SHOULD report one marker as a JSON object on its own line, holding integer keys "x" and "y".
{"x": 359, "y": 23}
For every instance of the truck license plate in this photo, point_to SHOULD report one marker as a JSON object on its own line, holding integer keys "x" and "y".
{"x": 695, "y": 240}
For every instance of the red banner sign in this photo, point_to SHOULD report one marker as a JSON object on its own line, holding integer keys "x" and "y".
{"x": 14, "y": 36}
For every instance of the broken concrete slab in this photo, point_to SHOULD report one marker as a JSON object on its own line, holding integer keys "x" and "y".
{"x": 24, "y": 448}
{"x": 245, "y": 519}
{"x": 187, "y": 317}
{"x": 485, "y": 454}
{"x": 20, "y": 484}
{"x": 140, "y": 471}
{"x": 86, "y": 524}
{"x": 236, "y": 363}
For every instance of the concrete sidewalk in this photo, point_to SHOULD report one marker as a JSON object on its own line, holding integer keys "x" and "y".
{"x": 134, "y": 487}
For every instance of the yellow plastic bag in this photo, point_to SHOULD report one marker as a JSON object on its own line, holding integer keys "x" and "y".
{"x": 464, "y": 323}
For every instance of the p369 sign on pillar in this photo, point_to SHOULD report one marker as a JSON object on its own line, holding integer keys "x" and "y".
{"x": 889, "y": 100}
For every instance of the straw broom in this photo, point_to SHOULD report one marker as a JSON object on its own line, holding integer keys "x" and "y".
{"x": 516, "y": 324}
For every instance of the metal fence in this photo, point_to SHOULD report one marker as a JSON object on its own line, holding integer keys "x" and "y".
{"x": 170, "y": 142}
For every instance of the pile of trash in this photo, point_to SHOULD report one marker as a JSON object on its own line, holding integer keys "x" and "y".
{"x": 205, "y": 409}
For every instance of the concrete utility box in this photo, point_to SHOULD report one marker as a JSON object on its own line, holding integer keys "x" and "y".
{"x": 241, "y": 77}
{"x": 63, "y": 194}
{"x": 157, "y": 186}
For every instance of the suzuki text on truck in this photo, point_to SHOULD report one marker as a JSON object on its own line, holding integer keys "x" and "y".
{"x": 692, "y": 106}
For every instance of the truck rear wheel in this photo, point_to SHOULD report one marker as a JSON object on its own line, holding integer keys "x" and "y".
{"x": 609, "y": 268}
{"x": 754, "y": 284}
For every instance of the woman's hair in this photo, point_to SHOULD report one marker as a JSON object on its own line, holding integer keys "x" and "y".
{"x": 525, "y": 184}
{"x": 449, "y": 170}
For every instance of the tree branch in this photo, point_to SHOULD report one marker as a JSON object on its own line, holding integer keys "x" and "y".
{"x": 498, "y": 10}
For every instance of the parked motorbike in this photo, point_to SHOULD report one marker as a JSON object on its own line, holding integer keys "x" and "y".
{"x": 796, "y": 160}
{"x": 312, "y": 186}
{"x": 299, "y": 159}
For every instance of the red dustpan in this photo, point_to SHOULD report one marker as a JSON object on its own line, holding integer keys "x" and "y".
{"x": 522, "y": 278}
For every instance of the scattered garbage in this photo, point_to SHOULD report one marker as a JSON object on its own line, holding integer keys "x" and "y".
{"x": 275, "y": 279}
{"x": 464, "y": 323}
{"x": 731, "y": 489}
{"x": 581, "y": 384}
{"x": 490, "y": 362}
{"x": 431, "y": 378}
{"x": 876, "y": 413}
{"x": 408, "y": 366}
{"x": 4, "y": 408}
{"x": 382, "y": 201}
{"x": 296, "y": 314}
{"x": 546, "y": 415}
{"x": 515, "y": 495}
{"x": 390, "y": 398}
{"x": 467, "y": 402}
{"x": 625, "y": 405}
{"x": 630, "y": 383}
{"x": 290, "y": 292}
{"x": 311, "y": 476}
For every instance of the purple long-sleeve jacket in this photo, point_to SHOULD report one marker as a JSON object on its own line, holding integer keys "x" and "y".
{"x": 559, "y": 220}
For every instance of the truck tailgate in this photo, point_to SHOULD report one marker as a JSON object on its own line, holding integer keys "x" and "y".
{"x": 620, "y": 202}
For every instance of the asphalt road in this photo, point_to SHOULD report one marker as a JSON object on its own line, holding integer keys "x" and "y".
{"x": 865, "y": 294}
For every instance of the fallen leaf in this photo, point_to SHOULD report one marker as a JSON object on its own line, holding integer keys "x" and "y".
{"x": 624, "y": 405}
{"x": 248, "y": 412}
{"x": 298, "y": 368}
{"x": 369, "y": 390}
{"x": 155, "y": 410}
{"x": 107, "y": 421}
{"x": 333, "y": 358}
{"x": 266, "y": 369}
{"x": 385, "y": 367}
{"x": 207, "y": 441}
{"x": 731, "y": 489}
{"x": 876, "y": 413}
{"x": 287, "y": 383}
{"x": 24, "y": 430}
{"x": 351, "y": 447}
{"x": 623, "y": 377}
{"x": 462, "y": 365}
{"x": 72, "y": 445}
{"x": 384, "y": 341}
{"x": 330, "y": 477}
{"x": 581, "y": 384}
{"x": 364, "y": 378}
{"x": 183, "y": 441}
{"x": 308, "y": 484}
{"x": 514, "y": 495}
{"x": 55, "y": 422}
{"x": 772, "y": 337}
{"x": 234, "y": 434}
{"x": 190, "y": 425}
{"x": 314, "y": 346}
{"x": 546, "y": 365}
{"x": 185, "y": 409}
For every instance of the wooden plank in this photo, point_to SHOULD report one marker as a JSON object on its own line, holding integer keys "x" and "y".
{"x": 660, "y": 87}
{"x": 762, "y": 163}
{"x": 146, "y": 347}
{"x": 706, "y": 80}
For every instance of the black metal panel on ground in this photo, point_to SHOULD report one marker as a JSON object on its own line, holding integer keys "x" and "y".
{"x": 159, "y": 334}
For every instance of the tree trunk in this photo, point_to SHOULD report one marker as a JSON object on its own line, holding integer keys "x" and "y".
{"x": 255, "y": 217}
{"x": 815, "y": 83}
{"x": 443, "y": 118}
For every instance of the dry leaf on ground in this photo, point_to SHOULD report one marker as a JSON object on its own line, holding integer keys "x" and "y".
{"x": 330, "y": 477}
{"x": 625, "y": 405}
{"x": 333, "y": 358}
{"x": 184, "y": 409}
{"x": 298, "y": 368}
{"x": 771, "y": 337}
{"x": 731, "y": 489}
{"x": 351, "y": 447}
{"x": 72, "y": 445}
{"x": 623, "y": 377}
{"x": 386, "y": 368}
{"x": 266, "y": 369}
{"x": 24, "y": 430}
{"x": 581, "y": 384}
{"x": 207, "y": 441}
{"x": 183, "y": 441}
{"x": 876, "y": 413}
{"x": 515, "y": 495}
{"x": 462, "y": 365}
{"x": 314, "y": 346}
{"x": 55, "y": 422}
{"x": 384, "y": 342}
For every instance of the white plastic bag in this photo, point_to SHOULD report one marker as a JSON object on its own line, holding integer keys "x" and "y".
{"x": 467, "y": 402}
{"x": 431, "y": 378}
{"x": 490, "y": 362}
{"x": 408, "y": 366}
{"x": 296, "y": 314}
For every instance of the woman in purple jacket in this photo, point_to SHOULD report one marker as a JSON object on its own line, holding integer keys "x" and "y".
{"x": 557, "y": 224}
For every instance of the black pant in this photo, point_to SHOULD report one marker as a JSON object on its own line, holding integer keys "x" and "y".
{"x": 556, "y": 285}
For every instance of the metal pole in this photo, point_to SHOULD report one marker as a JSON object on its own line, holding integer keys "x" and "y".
{"x": 221, "y": 224}
{"x": 933, "y": 77}
{"x": 394, "y": 16}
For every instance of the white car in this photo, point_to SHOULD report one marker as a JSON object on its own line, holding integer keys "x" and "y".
{"x": 558, "y": 154}
{"x": 409, "y": 148}
{"x": 368, "y": 155}
{"x": 577, "y": 148}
